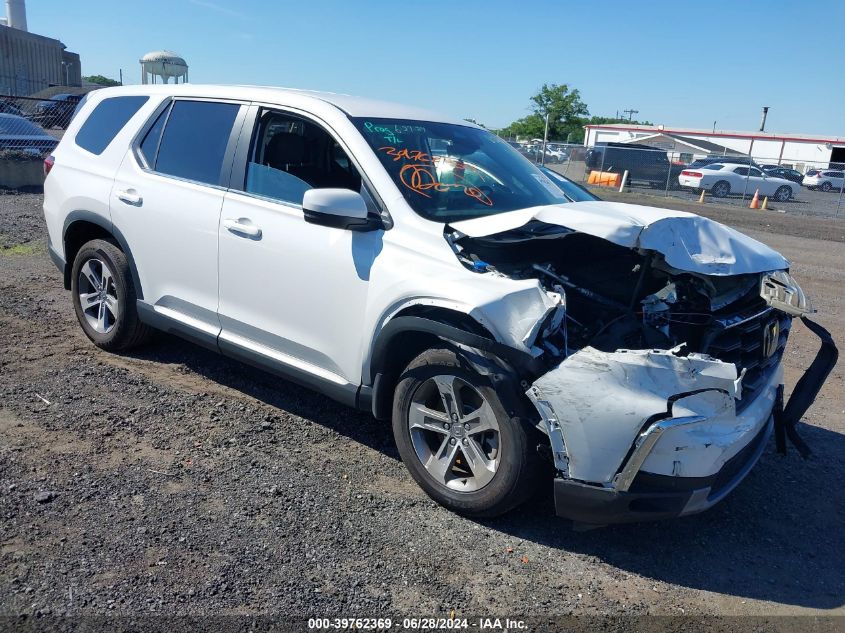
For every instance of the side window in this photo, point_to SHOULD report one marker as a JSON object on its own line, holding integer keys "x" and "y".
{"x": 290, "y": 155}
{"x": 149, "y": 146}
{"x": 741, "y": 171}
{"x": 105, "y": 121}
{"x": 194, "y": 140}
{"x": 756, "y": 172}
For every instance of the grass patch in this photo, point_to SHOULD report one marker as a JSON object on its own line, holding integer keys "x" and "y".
{"x": 30, "y": 248}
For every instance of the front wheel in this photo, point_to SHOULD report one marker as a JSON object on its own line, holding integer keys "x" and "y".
{"x": 456, "y": 438}
{"x": 826, "y": 186}
{"x": 783, "y": 194}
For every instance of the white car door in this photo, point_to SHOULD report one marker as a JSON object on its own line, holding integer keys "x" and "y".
{"x": 758, "y": 180}
{"x": 292, "y": 294}
{"x": 166, "y": 201}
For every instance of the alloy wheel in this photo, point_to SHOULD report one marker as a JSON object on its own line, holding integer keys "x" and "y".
{"x": 98, "y": 296}
{"x": 454, "y": 433}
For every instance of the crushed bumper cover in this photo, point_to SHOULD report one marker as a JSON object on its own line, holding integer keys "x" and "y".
{"x": 676, "y": 462}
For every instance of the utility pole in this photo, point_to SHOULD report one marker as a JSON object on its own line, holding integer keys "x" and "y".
{"x": 630, "y": 112}
{"x": 763, "y": 119}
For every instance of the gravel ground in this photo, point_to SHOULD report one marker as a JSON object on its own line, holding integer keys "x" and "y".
{"x": 173, "y": 481}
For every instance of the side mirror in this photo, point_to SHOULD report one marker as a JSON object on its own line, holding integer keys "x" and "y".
{"x": 337, "y": 208}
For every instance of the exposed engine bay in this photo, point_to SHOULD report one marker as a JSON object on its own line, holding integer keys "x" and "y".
{"x": 616, "y": 297}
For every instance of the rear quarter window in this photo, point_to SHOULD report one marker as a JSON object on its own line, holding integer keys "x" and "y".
{"x": 105, "y": 121}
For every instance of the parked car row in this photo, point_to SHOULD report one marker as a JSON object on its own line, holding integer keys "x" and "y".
{"x": 723, "y": 179}
{"x": 555, "y": 152}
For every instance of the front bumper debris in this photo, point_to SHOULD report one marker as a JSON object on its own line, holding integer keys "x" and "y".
{"x": 676, "y": 461}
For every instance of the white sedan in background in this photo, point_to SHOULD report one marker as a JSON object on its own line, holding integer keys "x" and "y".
{"x": 723, "y": 179}
{"x": 824, "y": 179}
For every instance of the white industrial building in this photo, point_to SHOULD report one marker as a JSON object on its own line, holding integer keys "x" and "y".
{"x": 798, "y": 151}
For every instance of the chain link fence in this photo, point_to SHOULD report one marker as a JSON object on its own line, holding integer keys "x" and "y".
{"x": 30, "y": 129}
{"x": 798, "y": 186}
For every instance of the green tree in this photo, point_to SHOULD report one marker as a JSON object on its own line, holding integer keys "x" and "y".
{"x": 562, "y": 105}
{"x": 102, "y": 81}
{"x": 567, "y": 116}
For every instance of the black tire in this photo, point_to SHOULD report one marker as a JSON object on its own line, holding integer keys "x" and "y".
{"x": 517, "y": 469}
{"x": 826, "y": 186}
{"x": 721, "y": 189}
{"x": 783, "y": 193}
{"x": 125, "y": 330}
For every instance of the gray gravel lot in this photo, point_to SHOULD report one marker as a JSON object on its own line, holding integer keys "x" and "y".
{"x": 174, "y": 481}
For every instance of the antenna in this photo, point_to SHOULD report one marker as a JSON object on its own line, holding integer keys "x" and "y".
{"x": 630, "y": 112}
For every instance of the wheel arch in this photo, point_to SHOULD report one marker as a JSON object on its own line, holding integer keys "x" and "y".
{"x": 416, "y": 328}
{"x": 83, "y": 226}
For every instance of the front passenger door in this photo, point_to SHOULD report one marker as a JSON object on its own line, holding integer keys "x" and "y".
{"x": 292, "y": 293}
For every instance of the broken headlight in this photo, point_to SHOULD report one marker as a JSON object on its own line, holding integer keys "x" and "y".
{"x": 783, "y": 293}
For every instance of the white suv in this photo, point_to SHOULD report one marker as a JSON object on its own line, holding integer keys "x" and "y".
{"x": 418, "y": 267}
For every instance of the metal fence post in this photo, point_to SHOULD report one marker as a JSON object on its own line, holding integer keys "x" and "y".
{"x": 668, "y": 175}
{"x": 748, "y": 173}
{"x": 603, "y": 154}
{"x": 841, "y": 189}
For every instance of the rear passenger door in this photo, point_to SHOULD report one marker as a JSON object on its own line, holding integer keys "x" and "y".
{"x": 166, "y": 201}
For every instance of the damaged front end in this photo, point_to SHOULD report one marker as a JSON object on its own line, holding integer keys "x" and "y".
{"x": 662, "y": 376}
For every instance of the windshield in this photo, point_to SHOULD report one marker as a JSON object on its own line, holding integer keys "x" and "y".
{"x": 451, "y": 172}
{"x": 572, "y": 190}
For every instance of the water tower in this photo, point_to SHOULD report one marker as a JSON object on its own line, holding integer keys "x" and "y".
{"x": 164, "y": 65}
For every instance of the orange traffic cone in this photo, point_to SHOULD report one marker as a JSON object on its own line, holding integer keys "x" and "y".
{"x": 755, "y": 201}
{"x": 701, "y": 197}
{"x": 765, "y": 204}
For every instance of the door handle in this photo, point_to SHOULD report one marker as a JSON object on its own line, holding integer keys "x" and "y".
{"x": 129, "y": 196}
{"x": 242, "y": 226}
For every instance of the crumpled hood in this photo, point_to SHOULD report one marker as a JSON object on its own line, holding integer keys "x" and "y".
{"x": 687, "y": 241}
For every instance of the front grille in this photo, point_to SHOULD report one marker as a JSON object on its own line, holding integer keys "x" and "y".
{"x": 739, "y": 339}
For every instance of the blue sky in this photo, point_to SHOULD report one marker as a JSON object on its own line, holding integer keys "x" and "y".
{"x": 678, "y": 63}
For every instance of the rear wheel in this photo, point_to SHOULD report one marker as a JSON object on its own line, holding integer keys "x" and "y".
{"x": 826, "y": 186}
{"x": 721, "y": 189}
{"x": 456, "y": 438}
{"x": 104, "y": 297}
{"x": 783, "y": 194}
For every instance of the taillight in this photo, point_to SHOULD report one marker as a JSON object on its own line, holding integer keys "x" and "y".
{"x": 693, "y": 174}
{"x": 48, "y": 164}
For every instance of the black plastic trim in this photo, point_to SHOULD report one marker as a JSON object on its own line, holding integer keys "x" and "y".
{"x": 521, "y": 361}
{"x": 806, "y": 389}
{"x": 57, "y": 259}
{"x": 601, "y": 506}
{"x": 148, "y": 315}
{"x": 342, "y": 221}
{"x": 108, "y": 225}
{"x": 345, "y": 394}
